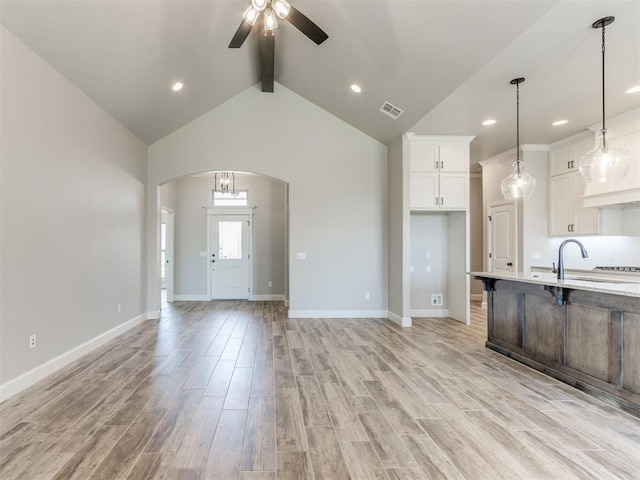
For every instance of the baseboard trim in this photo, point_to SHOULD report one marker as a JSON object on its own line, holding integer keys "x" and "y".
{"x": 27, "y": 379}
{"x": 337, "y": 314}
{"x": 191, "y": 298}
{"x": 429, "y": 313}
{"x": 476, "y": 297}
{"x": 155, "y": 315}
{"x": 267, "y": 298}
{"x": 402, "y": 321}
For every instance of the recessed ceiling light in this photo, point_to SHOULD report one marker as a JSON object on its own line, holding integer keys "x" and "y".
{"x": 559, "y": 122}
{"x": 356, "y": 88}
{"x": 491, "y": 121}
{"x": 635, "y": 89}
{"x": 177, "y": 86}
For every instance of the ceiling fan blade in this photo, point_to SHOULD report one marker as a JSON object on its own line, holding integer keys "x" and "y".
{"x": 267, "y": 61}
{"x": 241, "y": 34}
{"x": 306, "y": 26}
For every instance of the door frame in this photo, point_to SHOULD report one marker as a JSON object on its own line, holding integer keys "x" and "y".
{"x": 232, "y": 211}
{"x": 169, "y": 252}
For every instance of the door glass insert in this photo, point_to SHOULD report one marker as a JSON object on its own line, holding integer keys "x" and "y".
{"x": 230, "y": 240}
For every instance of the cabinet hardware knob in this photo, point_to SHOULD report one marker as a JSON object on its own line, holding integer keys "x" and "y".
{"x": 509, "y": 264}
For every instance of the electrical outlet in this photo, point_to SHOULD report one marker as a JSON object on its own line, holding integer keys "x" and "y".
{"x": 367, "y": 296}
{"x": 428, "y": 255}
{"x": 428, "y": 268}
{"x": 32, "y": 341}
{"x": 119, "y": 307}
{"x": 436, "y": 299}
{"x": 411, "y": 269}
{"x": 270, "y": 284}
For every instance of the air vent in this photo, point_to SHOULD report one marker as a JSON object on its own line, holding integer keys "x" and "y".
{"x": 391, "y": 110}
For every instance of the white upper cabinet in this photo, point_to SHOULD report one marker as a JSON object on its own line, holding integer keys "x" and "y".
{"x": 565, "y": 159}
{"x": 439, "y": 173}
{"x": 454, "y": 158}
{"x": 567, "y": 216}
{"x": 423, "y": 156}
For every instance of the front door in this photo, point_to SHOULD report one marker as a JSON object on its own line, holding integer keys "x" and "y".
{"x": 503, "y": 238}
{"x": 229, "y": 256}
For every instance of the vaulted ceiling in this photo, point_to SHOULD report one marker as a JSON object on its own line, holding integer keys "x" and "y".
{"x": 446, "y": 63}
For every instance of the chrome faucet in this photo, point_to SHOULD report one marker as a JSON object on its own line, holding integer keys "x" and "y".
{"x": 583, "y": 251}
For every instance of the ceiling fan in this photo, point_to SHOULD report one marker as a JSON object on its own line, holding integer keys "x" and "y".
{"x": 266, "y": 12}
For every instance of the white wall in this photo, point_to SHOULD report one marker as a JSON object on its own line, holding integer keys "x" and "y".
{"x": 168, "y": 195}
{"x": 72, "y": 219}
{"x": 269, "y": 230}
{"x": 337, "y": 180}
{"x": 399, "y": 232}
{"x": 429, "y": 238}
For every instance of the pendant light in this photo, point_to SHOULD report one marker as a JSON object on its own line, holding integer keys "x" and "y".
{"x": 519, "y": 184}
{"x": 224, "y": 182}
{"x": 606, "y": 161}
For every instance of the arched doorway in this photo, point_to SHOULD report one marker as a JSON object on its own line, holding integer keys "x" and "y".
{"x": 194, "y": 201}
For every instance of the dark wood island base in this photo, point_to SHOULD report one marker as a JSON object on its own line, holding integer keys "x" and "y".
{"x": 588, "y": 338}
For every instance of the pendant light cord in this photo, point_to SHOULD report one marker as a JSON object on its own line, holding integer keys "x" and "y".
{"x": 604, "y": 141}
{"x": 518, "y": 125}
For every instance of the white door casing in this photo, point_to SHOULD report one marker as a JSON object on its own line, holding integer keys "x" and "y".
{"x": 229, "y": 252}
{"x": 502, "y": 228}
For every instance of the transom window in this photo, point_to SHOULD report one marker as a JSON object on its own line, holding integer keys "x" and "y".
{"x": 239, "y": 198}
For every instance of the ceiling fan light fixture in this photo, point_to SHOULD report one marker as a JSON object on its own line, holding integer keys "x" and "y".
{"x": 519, "y": 184}
{"x": 250, "y": 15}
{"x": 281, "y": 7}
{"x": 605, "y": 162}
{"x": 270, "y": 21}
{"x": 259, "y": 5}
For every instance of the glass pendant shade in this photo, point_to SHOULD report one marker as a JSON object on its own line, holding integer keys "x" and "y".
{"x": 281, "y": 7}
{"x": 270, "y": 22}
{"x": 259, "y": 4}
{"x": 519, "y": 184}
{"x": 605, "y": 162}
{"x": 250, "y": 15}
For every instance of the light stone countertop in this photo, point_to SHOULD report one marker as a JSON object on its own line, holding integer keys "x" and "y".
{"x": 628, "y": 288}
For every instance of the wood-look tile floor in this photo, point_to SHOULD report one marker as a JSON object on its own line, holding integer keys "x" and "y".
{"x": 236, "y": 390}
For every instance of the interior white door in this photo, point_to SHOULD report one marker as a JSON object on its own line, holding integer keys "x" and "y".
{"x": 503, "y": 239}
{"x": 166, "y": 249}
{"x": 229, "y": 256}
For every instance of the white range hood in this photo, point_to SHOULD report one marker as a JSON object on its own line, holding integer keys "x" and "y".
{"x": 626, "y": 131}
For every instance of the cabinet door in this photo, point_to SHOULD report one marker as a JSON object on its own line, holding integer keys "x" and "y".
{"x": 560, "y": 204}
{"x": 564, "y": 160}
{"x": 454, "y": 158}
{"x": 453, "y": 191}
{"x": 423, "y": 156}
{"x": 587, "y": 220}
{"x": 423, "y": 191}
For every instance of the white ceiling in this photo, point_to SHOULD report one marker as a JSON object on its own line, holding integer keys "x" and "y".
{"x": 446, "y": 63}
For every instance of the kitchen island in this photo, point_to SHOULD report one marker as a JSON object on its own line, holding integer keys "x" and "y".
{"x": 584, "y": 332}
